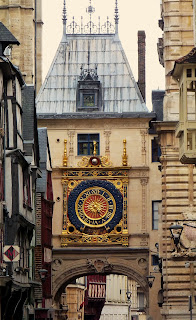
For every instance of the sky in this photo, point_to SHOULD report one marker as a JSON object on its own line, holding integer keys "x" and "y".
{"x": 133, "y": 16}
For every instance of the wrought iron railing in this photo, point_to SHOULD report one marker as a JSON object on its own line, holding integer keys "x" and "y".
{"x": 90, "y": 27}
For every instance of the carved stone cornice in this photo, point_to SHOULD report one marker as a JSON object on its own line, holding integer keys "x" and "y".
{"x": 139, "y": 172}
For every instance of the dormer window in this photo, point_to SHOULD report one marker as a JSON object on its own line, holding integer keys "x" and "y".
{"x": 88, "y": 100}
{"x": 88, "y": 91}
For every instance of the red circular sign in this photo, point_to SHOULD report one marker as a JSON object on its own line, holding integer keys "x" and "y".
{"x": 95, "y": 206}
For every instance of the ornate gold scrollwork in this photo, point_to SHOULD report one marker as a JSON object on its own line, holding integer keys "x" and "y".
{"x": 84, "y": 162}
{"x": 106, "y": 162}
{"x": 103, "y": 162}
{"x": 105, "y": 239}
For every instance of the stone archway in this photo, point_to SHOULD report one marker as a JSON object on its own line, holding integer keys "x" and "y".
{"x": 71, "y": 263}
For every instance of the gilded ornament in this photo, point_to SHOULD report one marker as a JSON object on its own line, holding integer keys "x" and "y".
{"x": 72, "y": 184}
{"x": 105, "y": 162}
{"x": 95, "y": 173}
{"x": 125, "y": 180}
{"x": 84, "y": 162}
{"x": 95, "y": 161}
{"x": 118, "y": 184}
{"x": 94, "y": 145}
{"x": 65, "y": 154}
{"x": 80, "y": 174}
{"x": 124, "y": 156}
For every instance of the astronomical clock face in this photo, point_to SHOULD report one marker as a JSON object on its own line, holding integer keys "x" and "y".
{"x": 95, "y": 204}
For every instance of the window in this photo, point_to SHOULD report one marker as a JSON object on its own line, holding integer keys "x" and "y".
{"x": 88, "y": 94}
{"x": 155, "y": 214}
{"x": 26, "y": 189}
{"x": 156, "y": 151}
{"x": 141, "y": 300}
{"x": 88, "y": 100}
{"x": 155, "y": 260}
{"x": 189, "y": 73}
{"x": 85, "y": 144}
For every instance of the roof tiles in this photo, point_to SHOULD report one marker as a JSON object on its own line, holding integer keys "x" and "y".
{"x": 120, "y": 92}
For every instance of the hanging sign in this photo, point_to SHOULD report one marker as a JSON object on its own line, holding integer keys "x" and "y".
{"x": 11, "y": 253}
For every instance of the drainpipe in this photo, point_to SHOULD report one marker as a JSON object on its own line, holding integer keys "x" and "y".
{"x": 35, "y": 48}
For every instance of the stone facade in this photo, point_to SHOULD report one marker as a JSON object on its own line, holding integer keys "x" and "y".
{"x": 178, "y": 40}
{"x": 92, "y": 92}
{"x": 19, "y": 163}
{"x": 19, "y": 17}
{"x": 178, "y": 180}
{"x": 143, "y": 181}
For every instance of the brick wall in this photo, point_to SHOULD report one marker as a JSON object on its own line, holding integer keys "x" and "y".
{"x": 142, "y": 63}
{"x": 38, "y": 247}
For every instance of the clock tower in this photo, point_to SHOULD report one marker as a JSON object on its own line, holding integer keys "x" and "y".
{"x": 106, "y": 182}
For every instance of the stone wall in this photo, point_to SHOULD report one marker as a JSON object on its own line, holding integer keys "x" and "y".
{"x": 19, "y": 17}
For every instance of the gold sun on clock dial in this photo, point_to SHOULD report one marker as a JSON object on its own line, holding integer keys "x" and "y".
{"x": 95, "y": 207}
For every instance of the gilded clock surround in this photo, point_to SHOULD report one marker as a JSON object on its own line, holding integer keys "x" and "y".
{"x": 95, "y": 201}
{"x": 95, "y": 204}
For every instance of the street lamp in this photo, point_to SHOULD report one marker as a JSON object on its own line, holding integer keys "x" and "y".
{"x": 176, "y": 231}
{"x": 128, "y": 293}
{"x": 150, "y": 280}
{"x": 43, "y": 274}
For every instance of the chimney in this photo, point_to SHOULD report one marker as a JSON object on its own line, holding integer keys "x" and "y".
{"x": 142, "y": 63}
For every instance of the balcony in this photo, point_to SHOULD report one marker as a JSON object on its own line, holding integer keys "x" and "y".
{"x": 184, "y": 72}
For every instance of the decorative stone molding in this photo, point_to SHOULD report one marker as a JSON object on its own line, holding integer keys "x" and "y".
{"x": 107, "y": 134}
{"x": 186, "y": 247}
{"x": 56, "y": 264}
{"x": 142, "y": 263}
{"x": 144, "y": 134}
{"x": 99, "y": 266}
{"x": 71, "y": 134}
{"x": 144, "y": 182}
{"x": 139, "y": 172}
{"x": 130, "y": 262}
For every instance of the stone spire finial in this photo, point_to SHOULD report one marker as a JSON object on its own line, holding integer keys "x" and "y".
{"x": 64, "y": 19}
{"x": 116, "y": 17}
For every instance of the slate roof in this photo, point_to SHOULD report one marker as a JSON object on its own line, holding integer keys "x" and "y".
{"x": 6, "y": 36}
{"x": 188, "y": 58}
{"x": 120, "y": 92}
{"x": 28, "y": 112}
{"x": 44, "y": 153}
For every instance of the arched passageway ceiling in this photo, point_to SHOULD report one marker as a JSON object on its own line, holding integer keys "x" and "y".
{"x": 71, "y": 263}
